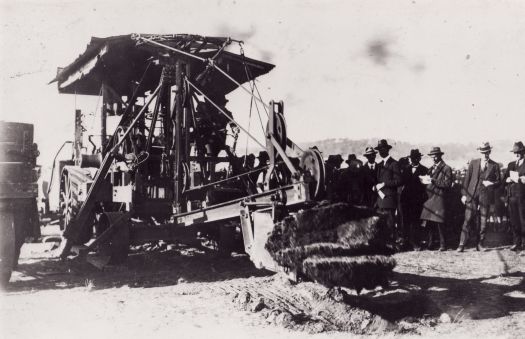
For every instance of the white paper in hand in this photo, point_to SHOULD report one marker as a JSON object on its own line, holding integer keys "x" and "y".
{"x": 425, "y": 179}
{"x": 487, "y": 183}
{"x": 514, "y": 176}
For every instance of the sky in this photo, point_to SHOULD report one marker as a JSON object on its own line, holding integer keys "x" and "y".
{"x": 417, "y": 71}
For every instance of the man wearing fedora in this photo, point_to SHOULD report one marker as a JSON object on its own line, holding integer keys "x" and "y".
{"x": 412, "y": 198}
{"x": 388, "y": 180}
{"x": 482, "y": 176}
{"x": 438, "y": 182}
{"x": 515, "y": 182}
{"x": 333, "y": 172}
{"x": 350, "y": 180}
{"x": 368, "y": 178}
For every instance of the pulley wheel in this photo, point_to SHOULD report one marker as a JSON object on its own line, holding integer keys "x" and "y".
{"x": 279, "y": 132}
{"x": 312, "y": 162}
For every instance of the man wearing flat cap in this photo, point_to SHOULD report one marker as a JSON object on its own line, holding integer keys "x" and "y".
{"x": 438, "y": 182}
{"x": 515, "y": 181}
{"x": 368, "y": 178}
{"x": 412, "y": 198}
{"x": 482, "y": 176}
{"x": 388, "y": 180}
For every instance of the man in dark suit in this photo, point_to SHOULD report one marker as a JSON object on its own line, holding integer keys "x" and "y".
{"x": 482, "y": 176}
{"x": 388, "y": 180}
{"x": 334, "y": 191}
{"x": 438, "y": 181}
{"x": 515, "y": 182}
{"x": 350, "y": 181}
{"x": 368, "y": 178}
{"x": 412, "y": 198}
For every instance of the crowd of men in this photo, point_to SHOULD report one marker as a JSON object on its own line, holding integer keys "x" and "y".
{"x": 417, "y": 201}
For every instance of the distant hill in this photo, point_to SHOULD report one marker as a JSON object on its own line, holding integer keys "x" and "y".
{"x": 457, "y": 155}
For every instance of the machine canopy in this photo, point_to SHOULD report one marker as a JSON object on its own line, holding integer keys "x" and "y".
{"x": 121, "y": 62}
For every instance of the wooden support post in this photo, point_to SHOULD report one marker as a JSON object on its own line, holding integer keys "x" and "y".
{"x": 269, "y": 146}
{"x": 179, "y": 111}
{"x": 103, "y": 117}
{"x": 187, "y": 115}
{"x": 77, "y": 145}
{"x": 154, "y": 118}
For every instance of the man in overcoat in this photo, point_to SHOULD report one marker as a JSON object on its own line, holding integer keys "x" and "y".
{"x": 388, "y": 180}
{"x": 482, "y": 176}
{"x": 412, "y": 198}
{"x": 515, "y": 182}
{"x": 438, "y": 181}
{"x": 368, "y": 178}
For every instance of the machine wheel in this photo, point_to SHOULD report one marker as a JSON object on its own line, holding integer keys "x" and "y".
{"x": 312, "y": 162}
{"x": 8, "y": 250}
{"x": 66, "y": 202}
{"x": 69, "y": 207}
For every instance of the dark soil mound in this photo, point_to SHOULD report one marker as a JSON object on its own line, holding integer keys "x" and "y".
{"x": 335, "y": 245}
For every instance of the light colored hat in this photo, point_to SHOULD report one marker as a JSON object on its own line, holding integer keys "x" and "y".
{"x": 369, "y": 151}
{"x": 485, "y": 147}
{"x": 435, "y": 150}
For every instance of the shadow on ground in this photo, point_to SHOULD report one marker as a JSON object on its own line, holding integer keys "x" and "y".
{"x": 411, "y": 295}
{"x": 141, "y": 269}
{"x": 419, "y": 296}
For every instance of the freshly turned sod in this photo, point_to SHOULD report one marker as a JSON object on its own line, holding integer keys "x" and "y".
{"x": 335, "y": 245}
{"x": 291, "y": 257}
{"x": 352, "y": 272}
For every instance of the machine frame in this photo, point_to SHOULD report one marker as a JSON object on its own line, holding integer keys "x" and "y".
{"x": 155, "y": 177}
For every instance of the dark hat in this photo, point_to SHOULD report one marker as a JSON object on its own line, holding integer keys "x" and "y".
{"x": 351, "y": 157}
{"x": 369, "y": 151}
{"x": 435, "y": 150}
{"x": 382, "y": 144}
{"x": 263, "y": 155}
{"x": 337, "y": 158}
{"x": 518, "y": 147}
{"x": 484, "y": 147}
{"x": 414, "y": 153}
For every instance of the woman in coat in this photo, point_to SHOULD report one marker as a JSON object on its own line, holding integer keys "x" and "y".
{"x": 438, "y": 183}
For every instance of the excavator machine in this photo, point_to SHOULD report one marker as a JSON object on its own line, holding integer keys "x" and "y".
{"x": 165, "y": 164}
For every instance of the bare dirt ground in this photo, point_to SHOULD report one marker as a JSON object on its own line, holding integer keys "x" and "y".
{"x": 189, "y": 292}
